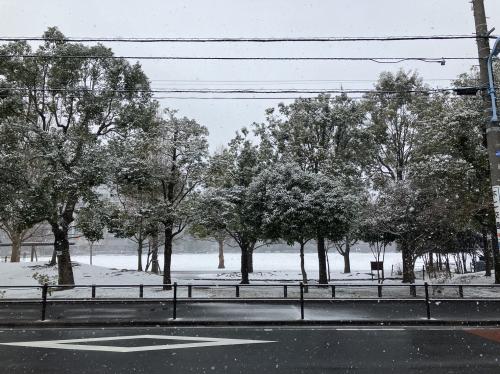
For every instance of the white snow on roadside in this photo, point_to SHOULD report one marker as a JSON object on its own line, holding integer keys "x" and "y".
{"x": 198, "y": 269}
{"x": 21, "y": 274}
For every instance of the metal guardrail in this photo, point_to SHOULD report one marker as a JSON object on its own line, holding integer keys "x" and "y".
{"x": 46, "y": 292}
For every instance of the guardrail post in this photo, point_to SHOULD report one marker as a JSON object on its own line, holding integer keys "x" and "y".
{"x": 379, "y": 290}
{"x": 301, "y": 300}
{"x": 333, "y": 292}
{"x": 461, "y": 291}
{"x": 237, "y": 291}
{"x": 190, "y": 290}
{"x": 93, "y": 291}
{"x": 285, "y": 291}
{"x": 174, "y": 308}
{"x": 427, "y": 301}
{"x": 45, "y": 290}
{"x": 141, "y": 290}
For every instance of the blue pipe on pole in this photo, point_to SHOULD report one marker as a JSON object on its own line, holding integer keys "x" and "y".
{"x": 491, "y": 83}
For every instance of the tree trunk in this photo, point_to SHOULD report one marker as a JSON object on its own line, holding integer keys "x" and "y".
{"x": 53, "y": 260}
{"x": 139, "y": 254}
{"x": 244, "y": 264}
{"x": 61, "y": 247}
{"x": 347, "y": 263}
{"x": 15, "y": 255}
{"x": 458, "y": 263}
{"x": 464, "y": 261}
{"x": 250, "y": 259}
{"x": 167, "y": 258}
{"x": 347, "y": 260}
{"x": 328, "y": 266}
{"x": 488, "y": 263}
{"x": 154, "y": 254}
{"x": 408, "y": 266}
{"x": 303, "y": 266}
{"x": 323, "y": 278}
{"x": 496, "y": 254}
{"x": 221, "y": 254}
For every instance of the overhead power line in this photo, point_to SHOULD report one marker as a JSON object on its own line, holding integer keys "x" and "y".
{"x": 279, "y": 81}
{"x": 239, "y": 91}
{"x": 380, "y": 60}
{"x": 247, "y": 39}
{"x": 248, "y": 98}
{"x": 240, "y": 97}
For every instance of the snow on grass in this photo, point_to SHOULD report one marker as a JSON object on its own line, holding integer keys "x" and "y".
{"x": 21, "y": 274}
{"x": 198, "y": 269}
{"x": 263, "y": 262}
{"x": 439, "y": 288}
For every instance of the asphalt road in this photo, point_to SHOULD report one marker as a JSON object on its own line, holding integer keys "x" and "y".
{"x": 265, "y": 350}
{"x": 369, "y": 310}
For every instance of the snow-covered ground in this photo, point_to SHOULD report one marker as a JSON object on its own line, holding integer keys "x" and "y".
{"x": 263, "y": 262}
{"x": 198, "y": 269}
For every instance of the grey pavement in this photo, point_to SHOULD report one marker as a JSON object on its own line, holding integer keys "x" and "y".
{"x": 205, "y": 310}
{"x": 264, "y": 350}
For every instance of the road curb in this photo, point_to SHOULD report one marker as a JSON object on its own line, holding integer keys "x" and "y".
{"x": 175, "y": 323}
{"x": 289, "y": 300}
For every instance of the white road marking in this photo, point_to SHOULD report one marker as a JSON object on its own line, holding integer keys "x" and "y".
{"x": 197, "y": 342}
{"x": 378, "y": 329}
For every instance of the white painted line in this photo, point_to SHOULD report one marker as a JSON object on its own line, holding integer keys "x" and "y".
{"x": 371, "y": 329}
{"x": 196, "y": 342}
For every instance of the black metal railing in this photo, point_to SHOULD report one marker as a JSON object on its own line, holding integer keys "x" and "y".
{"x": 304, "y": 293}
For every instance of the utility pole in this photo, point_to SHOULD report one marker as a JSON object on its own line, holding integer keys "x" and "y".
{"x": 492, "y": 128}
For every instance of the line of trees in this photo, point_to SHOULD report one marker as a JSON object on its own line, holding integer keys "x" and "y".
{"x": 398, "y": 166}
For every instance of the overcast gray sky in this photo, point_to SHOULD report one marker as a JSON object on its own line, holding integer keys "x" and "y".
{"x": 260, "y": 18}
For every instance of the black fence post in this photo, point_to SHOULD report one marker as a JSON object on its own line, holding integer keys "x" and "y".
{"x": 461, "y": 291}
{"x": 141, "y": 290}
{"x": 93, "y": 291}
{"x": 427, "y": 301}
{"x": 45, "y": 290}
{"x": 285, "y": 291}
{"x": 379, "y": 290}
{"x": 333, "y": 292}
{"x": 237, "y": 291}
{"x": 301, "y": 300}
{"x": 174, "y": 308}
{"x": 190, "y": 290}
{"x": 423, "y": 272}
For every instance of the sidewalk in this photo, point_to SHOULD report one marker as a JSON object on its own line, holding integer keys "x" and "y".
{"x": 252, "y": 310}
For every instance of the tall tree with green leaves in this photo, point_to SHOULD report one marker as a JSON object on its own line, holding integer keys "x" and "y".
{"x": 22, "y": 203}
{"x": 452, "y": 156}
{"x": 178, "y": 159}
{"x": 294, "y": 204}
{"x": 227, "y": 202}
{"x": 74, "y": 97}
{"x": 395, "y": 114}
{"x": 321, "y": 135}
{"x": 131, "y": 182}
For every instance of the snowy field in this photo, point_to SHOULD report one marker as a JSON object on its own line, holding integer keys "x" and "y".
{"x": 263, "y": 262}
{"x": 199, "y": 269}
